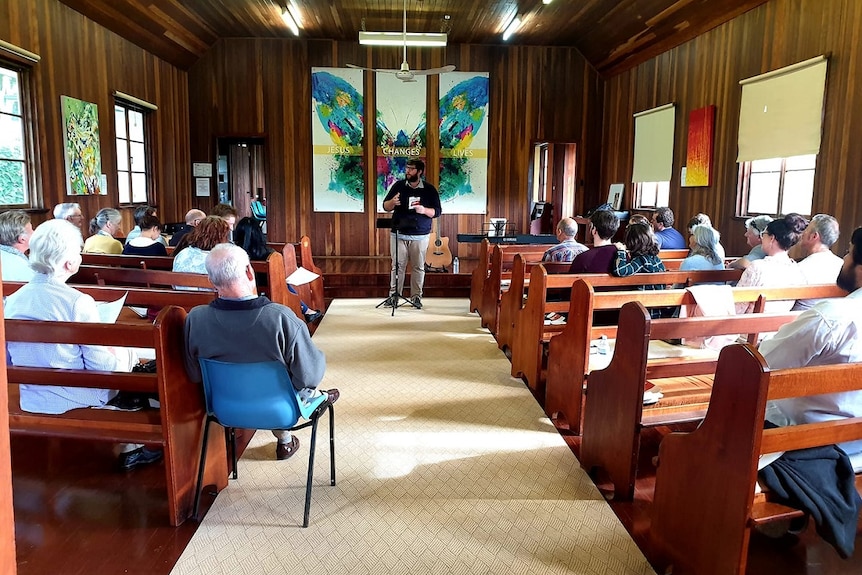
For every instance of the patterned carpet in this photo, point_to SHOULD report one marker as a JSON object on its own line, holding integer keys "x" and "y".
{"x": 445, "y": 465}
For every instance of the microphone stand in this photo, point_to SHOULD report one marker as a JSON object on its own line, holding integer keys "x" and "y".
{"x": 394, "y": 224}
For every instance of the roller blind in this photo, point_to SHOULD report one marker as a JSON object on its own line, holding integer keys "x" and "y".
{"x": 653, "y": 159}
{"x": 781, "y": 112}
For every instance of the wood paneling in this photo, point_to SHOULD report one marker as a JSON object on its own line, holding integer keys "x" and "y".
{"x": 263, "y": 87}
{"x": 614, "y": 35}
{"x": 83, "y": 60}
{"x": 707, "y": 71}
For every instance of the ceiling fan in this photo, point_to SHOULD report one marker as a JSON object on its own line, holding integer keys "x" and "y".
{"x": 405, "y": 74}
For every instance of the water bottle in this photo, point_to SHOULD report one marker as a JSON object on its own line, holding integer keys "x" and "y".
{"x": 604, "y": 347}
{"x": 456, "y": 267}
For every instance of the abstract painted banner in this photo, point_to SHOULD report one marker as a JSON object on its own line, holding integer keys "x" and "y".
{"x": 81, "y": 144}
{"x": 464, "y": 142}
{"x": 701, "y": 126}
{"x": 400, "y": 128}
{"x": 337, "y": 134}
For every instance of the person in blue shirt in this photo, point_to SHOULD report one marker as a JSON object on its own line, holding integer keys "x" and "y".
{"x": 666, "y": 236}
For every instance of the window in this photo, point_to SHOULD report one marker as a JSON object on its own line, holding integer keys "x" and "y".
{"x": 16, "y": 165}
{"x": 777, "y": 186}
{"x": 652, "y": 194}
{"x": 133, "y": 162}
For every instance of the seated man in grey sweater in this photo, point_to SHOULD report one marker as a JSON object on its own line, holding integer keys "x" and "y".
{"x": 242, "y": 327}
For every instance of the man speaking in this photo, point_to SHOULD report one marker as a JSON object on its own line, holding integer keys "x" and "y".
{"x": 413, "y": 203}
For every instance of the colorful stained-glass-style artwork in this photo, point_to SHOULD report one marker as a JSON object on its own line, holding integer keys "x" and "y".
{"x": 337, "y": 136}
{"x": 82, "y": 152}
{"x": 701, "y": 126}
{"x": 464, "y": 142}
{"x": 399, "y": 128}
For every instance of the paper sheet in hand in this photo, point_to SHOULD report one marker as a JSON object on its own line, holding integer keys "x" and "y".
{"x": 109, "y": 311}
{"x": 301, "y": 277}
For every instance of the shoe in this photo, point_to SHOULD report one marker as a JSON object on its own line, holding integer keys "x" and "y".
{"x": 286, "y": 450}
{"x": 312, "y": 316}
{"x": 391, "y": 301}
{"x": 332, "y": 395}
{"x": 416, "y": 301}
{"x": 138, "y": 457}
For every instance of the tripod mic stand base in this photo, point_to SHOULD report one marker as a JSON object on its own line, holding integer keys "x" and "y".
{"x": 396, "y": 301}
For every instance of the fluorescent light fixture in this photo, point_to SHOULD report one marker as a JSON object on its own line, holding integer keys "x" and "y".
{"x": 397, "y": 39}
{"x": 293, "y": 8}
{"x": 547, "y": 1}
{"x": 512, "y": 28}
{"x": 288, "y": 19}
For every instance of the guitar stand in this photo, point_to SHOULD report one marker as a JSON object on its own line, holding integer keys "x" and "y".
{"x": 430, "y": 269}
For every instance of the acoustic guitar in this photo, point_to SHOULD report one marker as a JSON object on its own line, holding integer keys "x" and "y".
{"x": 438, "y": 255}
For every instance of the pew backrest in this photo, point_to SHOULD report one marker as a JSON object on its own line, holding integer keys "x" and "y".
{"x": 613, "y": 411}
{"x": 177, "y": 425}
{"x": 704, "y": 501}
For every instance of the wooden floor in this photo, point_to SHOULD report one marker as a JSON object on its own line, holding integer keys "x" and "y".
{"x": 75, "y": 514}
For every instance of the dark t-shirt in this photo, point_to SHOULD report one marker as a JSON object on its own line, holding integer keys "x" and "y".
{"x": 403, "y": 215}
{"x": 598, "y": 260}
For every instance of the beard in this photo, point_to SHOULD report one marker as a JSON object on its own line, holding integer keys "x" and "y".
{"x": 847, "y": 279}
{"x": 413, "y": 178}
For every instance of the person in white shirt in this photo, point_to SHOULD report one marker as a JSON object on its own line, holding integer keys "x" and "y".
{"x": 776, "y": 269}
{"x": 826, "y": 334}
{"x": 70, "y": 212}
{"x": 15, "y": 232}
{"x": 814, "y": 254}
{"x": 55, "y": 256}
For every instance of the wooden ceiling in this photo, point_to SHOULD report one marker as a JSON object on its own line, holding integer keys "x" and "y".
{"x": 613, "y": 35}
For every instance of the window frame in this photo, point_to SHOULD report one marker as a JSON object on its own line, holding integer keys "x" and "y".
{"x": 26, "y": 89}
{"x": 638, "y": 195}
{"x": 743, "y": 189}
{"x": 129, "y": 106}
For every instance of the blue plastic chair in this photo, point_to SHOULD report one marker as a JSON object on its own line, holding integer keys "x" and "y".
{"x": 258, "y": 210}
{"x": 260, "y": 396}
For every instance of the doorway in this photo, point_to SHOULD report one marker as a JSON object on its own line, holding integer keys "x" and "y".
{"x": 553, "y": 179}
{"x": 241, "y": 173}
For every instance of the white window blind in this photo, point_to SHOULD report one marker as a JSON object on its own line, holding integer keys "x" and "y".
{"x": 653, "y": 159}
{"x": 781, "y": 111}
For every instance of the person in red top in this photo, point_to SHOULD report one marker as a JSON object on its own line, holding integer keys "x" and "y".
{"x": 600, "y": 258}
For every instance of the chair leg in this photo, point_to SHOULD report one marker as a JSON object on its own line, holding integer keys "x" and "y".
{"x": 331, "y": 445}
{"x": 310, "y": 471}
{"x": 203, "y": 460}
{"x": 233, "y": 451}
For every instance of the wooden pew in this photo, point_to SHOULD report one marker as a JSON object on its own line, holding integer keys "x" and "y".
{"x": 705, "y": 502}
{"x": 502, "y": 258}
{"x": 529, "y": 332}
{"x": 568, "y": 354}
{"x": 145, "y": 277}
{"x": 673, "y": 254}
{"x": 498, "y": 310}
{"x": 306, "y": 260}
{"x": 273, "y": 268}
{"x": 614, "y": 413}
{"x": 142, "y": 297}
{"x": 483, "y": 267}
{"x": 301, "y": 255}
{"x": 177, "y": 426}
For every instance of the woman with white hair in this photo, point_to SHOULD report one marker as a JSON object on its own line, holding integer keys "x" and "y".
{"x": 106, "y": 225}
{"x": 754, "y": 228}
{"x": 704, "y": 246}
{"x": 55, "y": 255}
